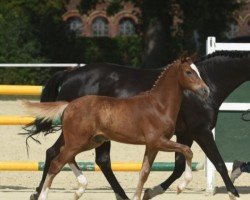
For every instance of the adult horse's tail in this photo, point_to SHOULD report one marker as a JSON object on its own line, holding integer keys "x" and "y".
{"x": 47, "y": 111}
{"x": 49, "y": 94}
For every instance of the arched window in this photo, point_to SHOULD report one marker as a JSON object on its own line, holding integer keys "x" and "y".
{"x": 75, "y": 25}
{"x": 126, "y": 27}
{"x": 100, "y": 27}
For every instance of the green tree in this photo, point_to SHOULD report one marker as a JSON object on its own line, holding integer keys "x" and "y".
{"x": 17, "y": 43}
{"x": 207, "y": 18}
{"x": 33, "y": 31}
{"x": 163, "y": 41}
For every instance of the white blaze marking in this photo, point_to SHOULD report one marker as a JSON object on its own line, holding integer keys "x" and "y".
{"x": 195, "y": 69}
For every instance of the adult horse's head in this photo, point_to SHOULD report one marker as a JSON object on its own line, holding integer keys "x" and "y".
{"x": 190, "y": 79}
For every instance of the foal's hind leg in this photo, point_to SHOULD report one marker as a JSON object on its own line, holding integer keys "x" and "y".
{"x": 66, "y": 155}
{"x": 148, "y": 160}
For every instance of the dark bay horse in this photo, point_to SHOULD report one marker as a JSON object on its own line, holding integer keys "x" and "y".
{"x": 145, "y": 119}
{"x": 223, "y": 71}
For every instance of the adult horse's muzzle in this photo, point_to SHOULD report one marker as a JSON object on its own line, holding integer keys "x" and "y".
{"x": 203, "y": 92}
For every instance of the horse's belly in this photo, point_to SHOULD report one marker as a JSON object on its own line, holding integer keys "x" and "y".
{"x": 129, "y": 137}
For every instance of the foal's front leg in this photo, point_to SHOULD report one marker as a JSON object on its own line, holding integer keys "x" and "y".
{"x": 179, "y": 168}
{"x": 167, "y": 145}
{"x": 148, "y": 160}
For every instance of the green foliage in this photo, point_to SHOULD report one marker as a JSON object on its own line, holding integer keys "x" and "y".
{"x": 33, "y": 76}
{"x": 121, "y": 50}
{"x": 86, "y": 6}
{"x": 208, "y": 18}
{"x": 17, "y": 44}
{"x": 130, "y": 49}
{"x": 33, "y": 31}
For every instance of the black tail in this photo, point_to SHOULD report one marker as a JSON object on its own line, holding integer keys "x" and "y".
{"x": 49, "y": 94}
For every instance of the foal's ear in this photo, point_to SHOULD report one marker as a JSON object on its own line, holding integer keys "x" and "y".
{"x": 184, "y": 56}
{"x": 194, "y": 56}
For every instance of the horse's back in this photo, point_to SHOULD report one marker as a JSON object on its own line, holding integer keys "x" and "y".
{"x": 108, "y": 80}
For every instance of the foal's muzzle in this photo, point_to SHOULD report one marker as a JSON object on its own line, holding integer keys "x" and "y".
{"x": 203, "y": 92}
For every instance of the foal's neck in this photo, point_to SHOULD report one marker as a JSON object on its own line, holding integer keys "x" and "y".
{"x": 167, "y": 92}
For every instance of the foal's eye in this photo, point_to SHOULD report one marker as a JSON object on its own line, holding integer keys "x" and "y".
{"x": 188, "y": 73}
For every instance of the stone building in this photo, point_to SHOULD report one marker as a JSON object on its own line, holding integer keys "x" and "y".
{"x": 98, "y": 24}
{"x": 241, "y": 26}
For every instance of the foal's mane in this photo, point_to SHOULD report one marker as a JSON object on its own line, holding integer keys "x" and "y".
{"x": 163, "y": 73}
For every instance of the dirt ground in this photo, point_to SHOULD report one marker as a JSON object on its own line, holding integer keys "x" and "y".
{"x": 19, "y": 185}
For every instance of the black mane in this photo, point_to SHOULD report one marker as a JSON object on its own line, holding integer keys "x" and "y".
{"x": 224, "y": 53}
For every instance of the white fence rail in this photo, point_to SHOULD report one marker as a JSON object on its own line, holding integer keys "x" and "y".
{"x": 42, "y": 65}
{"x": 212, "y": 46}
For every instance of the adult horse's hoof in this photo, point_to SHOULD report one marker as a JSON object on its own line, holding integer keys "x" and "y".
{"x": 232, "y": 197}
{"x": 152, "y": 192}
{"x": 119, "y": 198}
{"x": 146, "y": 195}
{"x": 34, "y": 196}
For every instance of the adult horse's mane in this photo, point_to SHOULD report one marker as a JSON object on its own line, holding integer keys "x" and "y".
{"x": 224, "y": 53}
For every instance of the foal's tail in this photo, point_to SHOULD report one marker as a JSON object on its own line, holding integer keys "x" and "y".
{"x": 49, "y": 94}
{"x": 47, "y": 111}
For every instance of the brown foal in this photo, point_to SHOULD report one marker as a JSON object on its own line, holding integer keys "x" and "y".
{"x": 146, "y": 119}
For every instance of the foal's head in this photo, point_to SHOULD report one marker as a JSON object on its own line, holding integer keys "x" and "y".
{"x": 190, "y": 79}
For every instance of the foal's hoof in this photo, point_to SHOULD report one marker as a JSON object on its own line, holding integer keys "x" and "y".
{"x": 178, "y": 190}
{"x": 34, "y": 196}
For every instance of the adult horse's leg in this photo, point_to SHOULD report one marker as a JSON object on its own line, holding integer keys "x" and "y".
{"x": 103, "y": 161}
{"x": 148, "y": 160}
{"x": 51, "y": 153}
{"x": 178, "y": 170}
{"x": 206, "y": 141}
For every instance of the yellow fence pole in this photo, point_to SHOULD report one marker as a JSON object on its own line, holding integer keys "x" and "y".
{"x": 21, "y": 90}
{"x": 16, "y": 120}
